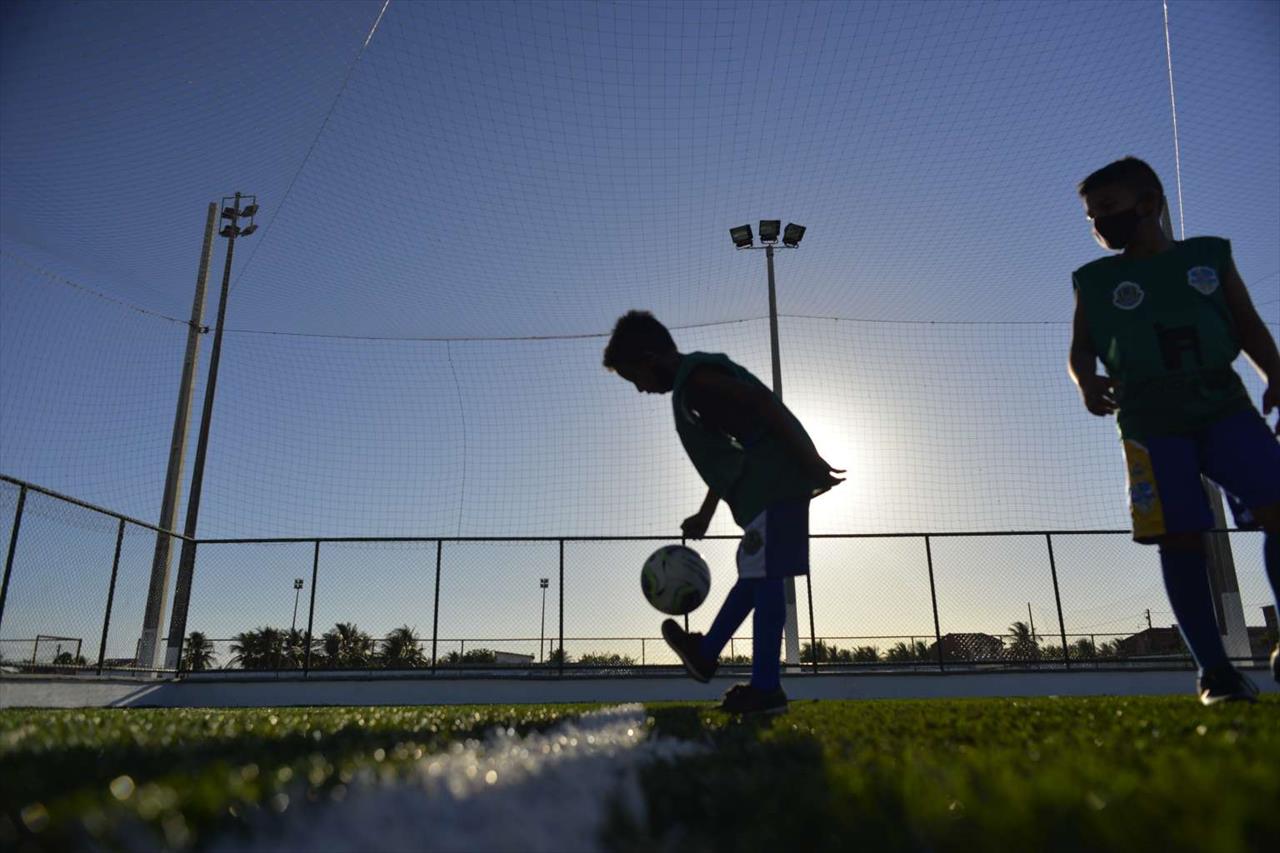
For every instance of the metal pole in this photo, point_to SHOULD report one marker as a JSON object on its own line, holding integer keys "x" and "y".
{"x": 542, "y": 631}
{"x": 13, "y": 544}
{"x": 435, "y": 609}
{"x": 159, "y": 588}
{"x": 562, "y": 652}
{"x": 791, "y": 632}
{"x": 293, "y": 623}
{"x": 311, "y": 610}
{"x": 111, "y": 595}
{"x": 813, "y": 639}
{"x": 933, "y": 596}
{"x": 186, "y": 564}
{"x": 1062, "y": 628}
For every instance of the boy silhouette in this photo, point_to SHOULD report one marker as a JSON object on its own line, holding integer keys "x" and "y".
{"x": 753, "y": 454}
{"x": 1167, "y": 318}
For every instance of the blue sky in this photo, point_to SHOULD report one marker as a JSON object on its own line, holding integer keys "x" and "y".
{"x": 504, "y": 170}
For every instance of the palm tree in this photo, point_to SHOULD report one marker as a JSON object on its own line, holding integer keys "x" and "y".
{"x": 345, "y": 645}
{"x": 1083, "y": 649}
{"x": 866, "y": 654}
{"x": 1024, "y": 645}
{"x": 197, "y": 653}
{"x": 401, "y": 649}
{"x": 260, "y": 648}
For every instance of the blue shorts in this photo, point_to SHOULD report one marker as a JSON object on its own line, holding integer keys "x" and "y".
{"x": 1239, "y": 453}
{"x": 776, "y": 542}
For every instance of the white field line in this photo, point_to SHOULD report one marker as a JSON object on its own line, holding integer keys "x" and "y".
{"x": 542, "y": 792}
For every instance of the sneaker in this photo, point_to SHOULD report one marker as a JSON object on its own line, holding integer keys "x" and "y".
{"x": 1275, "y": 663}
{"x": 689, "y": 647}
{"x": 1225, "y": 684}
{"x": 747, "y": 700}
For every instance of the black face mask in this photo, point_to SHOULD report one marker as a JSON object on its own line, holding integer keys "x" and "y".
{"x": 1117, "y": 229}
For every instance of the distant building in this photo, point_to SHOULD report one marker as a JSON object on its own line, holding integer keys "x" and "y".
{"x": 511, "y": 658}
{"x": 1153, "y": 642}
{"x": 969, "y": 647}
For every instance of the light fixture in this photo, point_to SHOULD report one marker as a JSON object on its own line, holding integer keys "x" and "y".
{"x": 250, "y": 210}
{"x": 229, "y": 213}
{"x": 741, "y": 236}
{"x": 793, "y": 235}
{"x": 769, "y": 230}
{"x": 249, "y": 229}
{"x": 229, "y": 230}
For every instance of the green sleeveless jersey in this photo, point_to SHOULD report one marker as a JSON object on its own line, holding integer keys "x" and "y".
{"x": 750, "y": 475}
{"x": 1163, "y": 330}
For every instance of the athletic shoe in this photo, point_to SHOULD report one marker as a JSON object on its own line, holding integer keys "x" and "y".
{"x": 1275, "y": 663}
{"x": 1225, "y": 684}
{"x": 747, "y": 700}
{"x": 689, "y": 647}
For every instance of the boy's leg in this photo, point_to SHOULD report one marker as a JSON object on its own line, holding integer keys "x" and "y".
{"x": 737, "y": 604}
{"x": 1241, "y": 455}
{"x": 1170, "y": 509}
{"x": 766, "y": 634}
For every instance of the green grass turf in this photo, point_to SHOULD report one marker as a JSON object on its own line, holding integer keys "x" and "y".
{"x": 1031, "y": 774}
{"x": 1096, "y": 774}
{"x": 124, "y": 778}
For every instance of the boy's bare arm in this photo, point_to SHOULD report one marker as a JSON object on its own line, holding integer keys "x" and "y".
{"x": 1082, "y": 364}
{"x": 695, "y": 526}
{"x": 1255, "y": 338}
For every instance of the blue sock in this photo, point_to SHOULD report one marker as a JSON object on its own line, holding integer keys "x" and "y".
{"x": 766, "y": 634}
{"x": 737, "y": 604}
{"x": 1271, "y": 559}
{"x": 1186, "y": 579}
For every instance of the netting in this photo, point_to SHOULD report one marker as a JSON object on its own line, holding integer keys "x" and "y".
{"x": 458, "y": 201}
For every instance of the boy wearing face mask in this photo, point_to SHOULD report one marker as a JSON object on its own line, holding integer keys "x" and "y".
{"x": 1167, "y": 318}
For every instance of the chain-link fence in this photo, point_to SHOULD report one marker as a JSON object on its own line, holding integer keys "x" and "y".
{"x": 77, "y": 576}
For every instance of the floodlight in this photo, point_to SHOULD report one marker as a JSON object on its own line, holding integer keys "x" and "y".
{"x": 741, "y": 236}
{"x": 544, "y": 582}
{"x": 793, "y": 235}
{"x": 769, "y": 230}
{"x": 229, "y": 213}
{"x": 297, "y": 583}
{"x": 249, "y": 230}
{"x": 250, "y": 210}
{"x": 229, "y": 230}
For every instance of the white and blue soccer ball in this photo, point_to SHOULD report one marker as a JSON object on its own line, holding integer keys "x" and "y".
{"x": 675, "y": 579}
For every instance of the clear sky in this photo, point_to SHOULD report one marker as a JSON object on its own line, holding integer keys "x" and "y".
{"x": 488, "y": 171}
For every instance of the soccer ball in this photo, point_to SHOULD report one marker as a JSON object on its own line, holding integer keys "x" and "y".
{"x": 675, "y": 579}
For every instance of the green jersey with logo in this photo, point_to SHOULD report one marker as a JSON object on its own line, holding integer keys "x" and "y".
{"x": 1163, "y": 330}
{"x": 750, "y": 474}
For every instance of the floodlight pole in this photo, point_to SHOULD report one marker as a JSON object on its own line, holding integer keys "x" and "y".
{"x": 542, "y": 632}
{"x": 186, "y": 562}
{"x": 158, "y": 590}
{"x": 297, "y": 590}
{"x": 791, "y": 631}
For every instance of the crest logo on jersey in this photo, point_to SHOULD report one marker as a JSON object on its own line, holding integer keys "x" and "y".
{"x": 1127, "y": 295}
{"x": 1203, "y": 279}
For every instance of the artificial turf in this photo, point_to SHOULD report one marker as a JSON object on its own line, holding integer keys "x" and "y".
{"x": 1119, "y": 774}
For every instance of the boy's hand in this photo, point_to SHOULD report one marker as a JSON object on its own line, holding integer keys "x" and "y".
{"x": 1271, "y": 400}
{"x": 823, "y": 472}
{"x": 1099, "y": 395}
{"x": 695, "y": 526}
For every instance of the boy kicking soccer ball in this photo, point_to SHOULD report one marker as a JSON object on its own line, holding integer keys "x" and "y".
{"x": 1167, "y": 318}
{"x": 754, "y": 455}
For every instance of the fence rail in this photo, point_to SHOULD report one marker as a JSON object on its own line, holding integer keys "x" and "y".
{"x": 55, "y": 534}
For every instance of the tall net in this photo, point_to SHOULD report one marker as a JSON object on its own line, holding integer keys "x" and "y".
{"x": 460, "y": 198}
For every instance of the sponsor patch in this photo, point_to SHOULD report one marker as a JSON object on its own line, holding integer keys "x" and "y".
{"x": 1203, "y": 279}
{"x": 1127, "y": 295}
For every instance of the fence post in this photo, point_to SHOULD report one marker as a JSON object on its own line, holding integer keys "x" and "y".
{"x": 813, "y": 638}
{"x": 686, "y": 616}
{"x": 642, "y": 651}
{"x": 435, "y": 609}
{"x": 111, "y": 595}
{"x": 562, "y": 651}
{"x": 933, "y": 595}
{"x": 13, "y": 544}
{"x": 311, "y": 610}
{"x": 1062, "y": 628}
